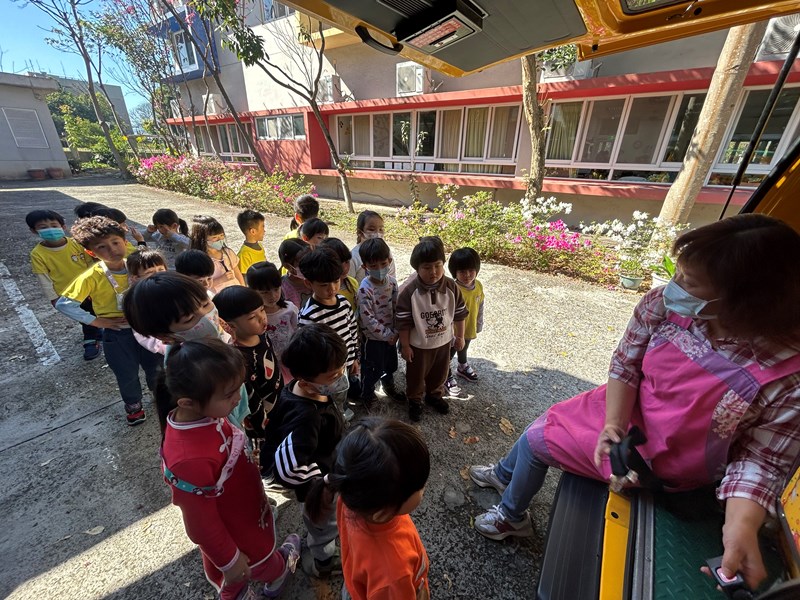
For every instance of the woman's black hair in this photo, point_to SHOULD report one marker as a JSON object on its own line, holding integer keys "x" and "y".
{"x": 306, "y": 207}
{"x": 379, "y": 465}
{"x": 37, "y": 216}
{"x": 87, "y": 209}
{"x": 429, "y": 249}
{"x": 194, "y": 263}
{"x": 114, "y": 214}
{"x": 196, "y": 370}
{"x": 290, "y": 251}
{"x": 203, "y": 227}
{"x": 338, "y": 247}
{"x": 363, "y": 218}
{"x": 374, "y": 250}
{"x": 321, "y": 266}
{"x": 235, "y": 301}
{"x": 263, "y": 276}
{"x": 464, "y": 259}
{"x": 313, "y": 350}
{"x": 153, "y": 304}
{"x": 753, "y": 263}
{"x": 167, "y": 216}
{"x": 143, "y": 259}
{"x": 313, "y": 227}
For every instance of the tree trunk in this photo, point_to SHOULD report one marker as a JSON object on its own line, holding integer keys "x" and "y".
{"x": 726, "y": 85}
{"x": 534, "y": 116}
{"x": 348, "y": 200}
{"x": 98, "y": 111}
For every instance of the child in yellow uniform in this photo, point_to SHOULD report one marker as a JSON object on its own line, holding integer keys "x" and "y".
{"x": 106, "y": 283}
{"x": 252, "y": 225}
{"x": 56, "y": 260}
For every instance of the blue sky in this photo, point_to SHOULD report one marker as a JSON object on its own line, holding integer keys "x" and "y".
{"x": 24, "y": 49}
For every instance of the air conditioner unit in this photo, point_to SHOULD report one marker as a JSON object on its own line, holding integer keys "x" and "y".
{"x": 211, "y": 104}
{"x": 779, "y": 37}
{"x": 412, "y": 79}
{"x": 330, "y": 89}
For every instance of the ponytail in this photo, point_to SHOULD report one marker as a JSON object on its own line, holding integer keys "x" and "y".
{"x": 165, "y": 403}
{"x": 320, "y": 496}
{"x": 183, "y": 227}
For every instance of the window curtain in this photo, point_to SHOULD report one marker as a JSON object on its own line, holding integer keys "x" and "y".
{"x": 504, "y": 129}
{"x": 380, "y": 135}
{"x": 361, "y": 135}
{"x": 345, "y": 126}
{"x": 563, "y": 130}
{"x": 224, "y": 142}
{"x": 234, "y": 135}
{"x": 450, "y": 134}
{"x": 476, "y": 132}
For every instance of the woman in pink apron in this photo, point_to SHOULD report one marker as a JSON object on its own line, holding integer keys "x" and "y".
{"x": 709, "y": 369}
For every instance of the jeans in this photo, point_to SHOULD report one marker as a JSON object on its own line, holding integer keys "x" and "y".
{"x": 524, "y": 475}
{"x": 321, "y": 537}
{"x": 378, "y": 361}
{"x": 124, "y": 355}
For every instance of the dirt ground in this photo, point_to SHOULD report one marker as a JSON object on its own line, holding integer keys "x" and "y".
{"x": 86, "y": 514}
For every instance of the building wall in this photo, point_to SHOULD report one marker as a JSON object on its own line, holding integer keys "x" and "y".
{"x": 115, "y": 94}
{"x": 14, "y": 161}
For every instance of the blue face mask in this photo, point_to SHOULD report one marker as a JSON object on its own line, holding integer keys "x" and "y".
{"x": 681, "y": 302}
{"x": 379, "y": 274}
{"x": 217, "y": 245}
{"x": 51, "y": 234}
{"x": 331, "y": 389}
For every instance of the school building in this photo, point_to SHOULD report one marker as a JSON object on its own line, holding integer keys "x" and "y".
{"x": 618, "y": 126}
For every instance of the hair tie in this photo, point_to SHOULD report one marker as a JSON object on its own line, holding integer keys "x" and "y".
{"x": 326, "y": 480}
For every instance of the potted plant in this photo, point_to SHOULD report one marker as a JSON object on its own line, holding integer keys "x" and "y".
{"x": 663, "y": 272}
{"x": 631, "y": 273}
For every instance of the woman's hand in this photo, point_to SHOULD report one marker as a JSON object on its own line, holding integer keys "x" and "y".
{"x": 240, "y": 571}
{"x": 611, "y": 434}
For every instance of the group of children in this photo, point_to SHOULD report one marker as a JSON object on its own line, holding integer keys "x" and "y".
{"x": 263, "y": 366}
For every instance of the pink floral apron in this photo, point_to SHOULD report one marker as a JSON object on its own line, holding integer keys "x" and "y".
{"x": 690, "y": 402}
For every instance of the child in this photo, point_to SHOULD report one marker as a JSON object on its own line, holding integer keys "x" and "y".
{"x": 56, "y": 260}
{"x": 377, "y": 303}
{"x": 208, "y": 235}
{"x": 305, "y": 207}
{"x": 212, "y": 475}
{"x": 322, "y": 269}
{"x": 368, "y": 226}
{"x": 169, "y": 233}
{"x": 265, "y": 278}
{"x": 117, "y": 215}
{"x": 86, "y": 209}
{"x": 313, "y": 231}
{"x": 197, "y": 265}
{"x": 245, "y": 320}
{"x": 379, "y": 475}
{"x": 348, "y": 286}
{"x": 464, "y": 265}
{"x": 143, "y": 263}
{"x": 430, "y": 310}
{"x": 303, "y": 432}
{"x": 252, "y": 225}
{"x": 294, "y": 284}
{"x": 106, "y": 283}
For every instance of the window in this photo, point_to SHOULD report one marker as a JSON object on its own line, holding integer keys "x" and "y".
{"x": 25, "y": 127}
{"x": 361, "y": 135}
{"x": 504, "y": 132}
{"x": 344, "y": 126}
{"x": 426, "y": 133}
{"x": 401, "y": 133}
{"x": 564, "y": 119}
{"x": 276, "y": 10}
{"x": 380, "y": 135}
{"x": 475, "y": 138}
{"x": 681, "y": 135}
{"x": 602, "y": 130}
{"x": 643, "y": 129}
{"x": 298, "y": 127}
{"x": 450, "y": 134}
{"x": 281, "y": 127}
{"x": 184, "y": 52}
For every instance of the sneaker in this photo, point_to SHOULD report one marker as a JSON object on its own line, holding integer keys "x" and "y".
{"x": 415, "y": 411}
{"x": 91, "y": 350}
{"x": 440, "y": 405}
{"x": 290, "y": 550}
{"x": 348, "y": 414}
{"x": 392, "y": 392}
{"x": 495, "y": 526}
{"x": 451, "y": 386}
{"x": 484, "y": 476}
{"x": 135, "y": 418}
{"x": 467, "y": 372}
{"x": 321, "y": 569}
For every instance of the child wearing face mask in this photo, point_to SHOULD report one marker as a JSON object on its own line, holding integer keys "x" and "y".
{"x": 208, "y": 235}
{"x": 303, "y": 431}
{"x": 295, "y": 287}
{"x": 56, "y": 260}
{"x": 368, "y": 226}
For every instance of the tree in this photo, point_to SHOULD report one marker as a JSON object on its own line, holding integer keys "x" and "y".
{"x": 301, "y": 75}
{"x": 79, "y": 105}
{"x": 734, "y": 61}
{"x": 142, "y": 118}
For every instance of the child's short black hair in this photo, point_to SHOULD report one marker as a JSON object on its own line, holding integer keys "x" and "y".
{"x": 374, "y": 250}
{"x": 153, "y": 304}
{"x": 37, "y": 216}
{"x": 114, "y": 214}
{"x": 313, "y": 227}
{"x": 143, "y": 259}
{"x": 464, "y": 259}
{"x": 194, "y": 263}
{"x": 264, "y": 276}
{"x": 291, "y": 250}
{"x": 338, "y": 247}
{"x": 429, "y": 249}
{"x": 249, "y": 219}
{"x": 235, "y": 301}
{"x": 321, "y": 266}
{"x": 87, "y": 209}
{"x": 306, "y": 206}
{"x": 87, "y": 232}
{"x": 313, "y": 350}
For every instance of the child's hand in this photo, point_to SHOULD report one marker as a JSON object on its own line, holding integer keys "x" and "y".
{"x": 152, "y": 228}
{"x": 136, "y": 234}
{"x": 458, "y": 343}
{"x": 355, "y": 368}
{"x": 393, "y": 340}
{"x": 407, "y": 353}
{"x": 109, "y": 323}
{"x": 240, "y": 571}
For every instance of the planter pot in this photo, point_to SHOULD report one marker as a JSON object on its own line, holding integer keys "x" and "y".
{"x": 37, "y": 174}
{"x": 55, "y": 173}
{"x": 659, "y": 280}
{"x": 630, "y": 283}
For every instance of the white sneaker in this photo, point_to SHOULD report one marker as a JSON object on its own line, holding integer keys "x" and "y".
{"x": 493, "y": 525}
{"x": 484, "y": 476}
{"x": 451, "y": 387}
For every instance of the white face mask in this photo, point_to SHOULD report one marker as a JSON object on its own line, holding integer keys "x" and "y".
{"x": 206, "y": 328}
{"x": 371, "y": 235}
{"x": 681, "y": 302}
{"x": 331, "y": 389}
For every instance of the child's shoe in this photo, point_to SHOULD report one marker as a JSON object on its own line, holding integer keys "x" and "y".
{"x": 321, "y": 569}
{"x": 392, "y": 392}
{"x": 415, "y": 411}
{"x": 467, "y": 372}
{"x": 495, "y": 526}
{"x": 91, "y": 349}
{"x": 440, "y": 405}
{"x": 135, "y": 418}
{"x": 290, "y": 550}
{"x": 347, "y": 414}
{"x": 451, "y": 387}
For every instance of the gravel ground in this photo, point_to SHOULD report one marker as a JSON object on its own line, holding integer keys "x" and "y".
{"x": 86, "y": 514}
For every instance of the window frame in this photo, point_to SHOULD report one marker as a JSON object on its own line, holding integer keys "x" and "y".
{"x": 265, "y": 120}
{"x": 192, "y": 66}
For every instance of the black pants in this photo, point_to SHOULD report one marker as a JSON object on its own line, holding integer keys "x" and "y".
{"x": 378, "y": 361}
{"x": 90, "y": 332}
{"x": 462, "y": 354}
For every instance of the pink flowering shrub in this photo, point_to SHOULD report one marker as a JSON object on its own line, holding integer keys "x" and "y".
{"x": 272, "y": 192}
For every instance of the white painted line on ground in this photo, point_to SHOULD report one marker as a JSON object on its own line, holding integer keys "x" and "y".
{"x": 44, "y": 348}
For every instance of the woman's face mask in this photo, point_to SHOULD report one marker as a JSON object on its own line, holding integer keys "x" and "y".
{"x": 206, "y": 328}
{"x": 331, "y": 389}
{"x": 683, "y": 303}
